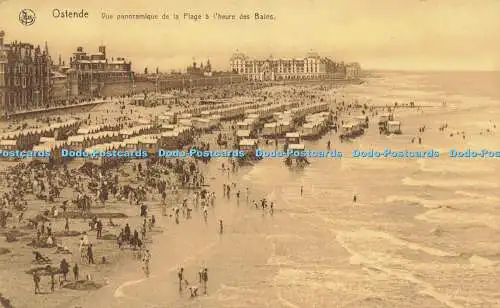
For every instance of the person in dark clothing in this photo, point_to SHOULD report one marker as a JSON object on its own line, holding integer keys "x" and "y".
{"x": 180, "y": 275}
{"x": 163, "y": 197}
{"x": 36, "y": 281}
{"x": 38, "y": 257}
{"x": 90, "y": 254}
{"x": 144, "y": 210}
{"x": 205, "y": 279}
{"x": 66, "y": 225}
{"x": 64, "y": 266}
{"x": 76, "y": 272}
{"x": 49, "y": 230}
{"x": 127, "y": 232}
{"x": 52, "y": 281}
{"x": 99, "y": 229}
{"x": 119, "y": 239}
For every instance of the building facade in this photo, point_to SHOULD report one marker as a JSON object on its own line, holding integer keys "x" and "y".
{"x": 353, "y": 70}
{"x": 93, "y": 71}
{"x": 60, "y": 87}
{"x": 26, "y": 83}
{"x": 3, "y": 67}
{"x": 60, "y": 83}
{"x": 202, "y": 70}
{"x": 312, "y": 66}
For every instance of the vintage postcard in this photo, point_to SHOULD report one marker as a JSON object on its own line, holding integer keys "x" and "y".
{"x": 252, "y": 154}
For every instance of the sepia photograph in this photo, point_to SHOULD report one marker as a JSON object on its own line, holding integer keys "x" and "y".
{"x": 250, "y": 154}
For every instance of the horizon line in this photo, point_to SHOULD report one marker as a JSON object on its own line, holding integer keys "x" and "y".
{"x": 432, "y": 70}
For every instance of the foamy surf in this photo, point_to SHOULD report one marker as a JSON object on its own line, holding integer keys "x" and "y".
{"x": 455, "y": 218}
{"x": 476, "y": 195}
{"x": 119, "y": 291}
{"x": 427, "y": 288}
{"x": 451, "y": 166}
{"x": 366, "y": 234}
{"x": 409, "y": 181}
{"x": 462, "y": 203}
{"x": 481, "y": 261}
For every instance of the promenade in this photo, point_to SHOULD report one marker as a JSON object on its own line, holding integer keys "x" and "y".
{"x": 55, "y": 108}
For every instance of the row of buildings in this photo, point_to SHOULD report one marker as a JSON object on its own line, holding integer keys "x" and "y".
{"x": 24, "y": 76}
{"x": 312, "y": 66}
{"x": 29, "y": 78}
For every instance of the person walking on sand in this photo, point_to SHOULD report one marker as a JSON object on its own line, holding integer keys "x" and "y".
{"x": 66, "y": 225}
{"x": 76, "y": 273}
{"x": 205, "y": 280}
{"x": 98, "y": 229}
{"x": 205, "y": 212}
{"x": 180, "y": 276}
{"x": 90, "y": 254}
{"x": 36, "y": 282}
{"x": 83, "y": 249}
{"x": 64, "y": 267}
{"x": 301, "y": 190}
{"x": 146, "y": 259}
{"x": 221, "y": 226}
{"x": 52, "y": 280}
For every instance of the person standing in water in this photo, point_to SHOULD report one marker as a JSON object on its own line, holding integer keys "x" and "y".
{"x": 36, "y": 281}
{"x": 146, "y": 259}
{"x": 205, "y": 213}
{"x": 180, "y": 275}
{"x": 205, "y": 279}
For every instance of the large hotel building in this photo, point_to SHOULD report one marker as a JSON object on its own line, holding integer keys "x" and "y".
{"x": 90, "y": 73}
{"x": 25, "y": 76}
{"x": 312, "y": 66}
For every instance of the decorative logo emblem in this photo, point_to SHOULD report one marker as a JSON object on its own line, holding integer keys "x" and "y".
{"x": 27, "y": 17}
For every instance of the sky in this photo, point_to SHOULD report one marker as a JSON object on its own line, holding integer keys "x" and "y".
{"x": 379, "y": 34}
